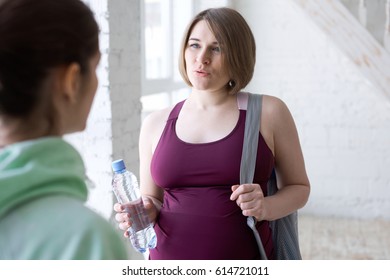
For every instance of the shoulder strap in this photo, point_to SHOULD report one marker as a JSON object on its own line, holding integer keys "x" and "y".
{"x": 242, "y": 100}
{"x": 249, "y": 153}
{"x": 251, "y": 138}
{"x": 176, "y": 110}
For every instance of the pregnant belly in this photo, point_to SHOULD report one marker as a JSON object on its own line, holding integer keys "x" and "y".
{"x": 202, "y": 224}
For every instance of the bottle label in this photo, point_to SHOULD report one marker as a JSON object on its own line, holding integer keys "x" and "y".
{"x": 138, "y": 216}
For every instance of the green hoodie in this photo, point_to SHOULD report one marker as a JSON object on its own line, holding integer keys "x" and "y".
{"x": 42, "y": 212}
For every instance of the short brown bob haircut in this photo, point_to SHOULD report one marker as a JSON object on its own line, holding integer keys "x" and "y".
{"x": 236, "y": 41}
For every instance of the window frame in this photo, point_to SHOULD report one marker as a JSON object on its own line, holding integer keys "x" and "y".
{"x": 168, "y": 84}
{"x": 175, "y": 89}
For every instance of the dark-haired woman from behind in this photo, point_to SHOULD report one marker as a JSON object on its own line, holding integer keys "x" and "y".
{"x": 49, "y": 53}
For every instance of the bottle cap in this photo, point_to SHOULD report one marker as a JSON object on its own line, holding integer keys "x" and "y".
{"x": 118, "y": 165}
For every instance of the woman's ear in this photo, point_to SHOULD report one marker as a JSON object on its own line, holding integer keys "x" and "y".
{"x": 71, "y": 82}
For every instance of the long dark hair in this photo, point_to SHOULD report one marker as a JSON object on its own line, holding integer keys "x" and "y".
{"x": 36, "y": 36}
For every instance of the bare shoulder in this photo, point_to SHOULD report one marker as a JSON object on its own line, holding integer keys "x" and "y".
{"x": 156, "y": 118}
{"x": 153, "y": 126}
{"x": 276, "y": 113}
{"x": 274, "y": 118}
{"x": 274, "y": 108}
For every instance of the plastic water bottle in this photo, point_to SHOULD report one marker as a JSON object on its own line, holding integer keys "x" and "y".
{"x": 126, "y": 190}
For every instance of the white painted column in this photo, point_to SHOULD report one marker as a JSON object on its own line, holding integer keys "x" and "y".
{"x": 386, "y": 37}
{"x": 114, "y": 122}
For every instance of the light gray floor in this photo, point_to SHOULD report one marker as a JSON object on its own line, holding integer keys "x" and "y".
{"x": 328, "y": 238}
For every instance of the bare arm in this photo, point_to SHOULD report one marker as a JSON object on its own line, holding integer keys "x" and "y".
{"x": 151, "y": 131}
{"x": 293, "y": 183}
{"x": 279, "y": 131}
{"x": 152, "y": 195}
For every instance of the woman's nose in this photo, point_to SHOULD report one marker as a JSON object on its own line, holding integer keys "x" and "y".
{"x": 203, "y": 57}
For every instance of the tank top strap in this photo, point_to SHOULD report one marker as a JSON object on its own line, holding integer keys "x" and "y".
{"x": 242, "y": 103}
{"x": 242, "y": 100}
{"x": 176, "y": 110}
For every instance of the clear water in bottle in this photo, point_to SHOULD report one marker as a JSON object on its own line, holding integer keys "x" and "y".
{"x": 126, "y": 189}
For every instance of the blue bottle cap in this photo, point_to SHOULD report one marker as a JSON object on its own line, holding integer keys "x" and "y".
{"x": 118, "y": 165}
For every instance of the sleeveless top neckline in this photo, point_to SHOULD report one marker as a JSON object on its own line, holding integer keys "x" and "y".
{"x": 175, "y": 114}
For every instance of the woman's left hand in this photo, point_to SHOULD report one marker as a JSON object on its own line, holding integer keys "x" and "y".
{"x": 250, "y": 198}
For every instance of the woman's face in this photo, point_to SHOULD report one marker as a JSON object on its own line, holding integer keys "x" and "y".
{"x": 204, "y": 60}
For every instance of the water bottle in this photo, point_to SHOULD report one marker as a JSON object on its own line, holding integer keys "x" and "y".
{"x": 126, "y": 190}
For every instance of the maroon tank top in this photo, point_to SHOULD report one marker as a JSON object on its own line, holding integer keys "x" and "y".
{"x": 197, "y": 219}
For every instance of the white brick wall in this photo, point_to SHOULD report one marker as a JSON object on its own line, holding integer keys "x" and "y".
{"x": 343, "y": 121}
{"x": 114, "y": 123}
{"x": 95, "y": 142}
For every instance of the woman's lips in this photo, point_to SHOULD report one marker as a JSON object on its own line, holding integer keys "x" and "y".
{"x": 201, "y": 73}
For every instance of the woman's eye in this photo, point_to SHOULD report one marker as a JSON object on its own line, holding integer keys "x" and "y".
{"x": 216, "y": 49}
{"x": 195, "y": 46}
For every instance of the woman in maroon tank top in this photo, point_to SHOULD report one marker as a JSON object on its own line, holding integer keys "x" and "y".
{"x": 190, "y": 153}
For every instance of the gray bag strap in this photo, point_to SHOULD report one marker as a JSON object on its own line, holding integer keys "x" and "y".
{"x": 249, "y": 152}
{"x": 284, "y": 230}
{"x": 251, "y": 138}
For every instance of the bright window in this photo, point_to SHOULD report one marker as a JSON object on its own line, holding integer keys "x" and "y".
{"x": 164, "y": 25}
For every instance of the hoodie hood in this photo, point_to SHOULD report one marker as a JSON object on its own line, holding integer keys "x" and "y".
{"x": 36, "y": 168}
